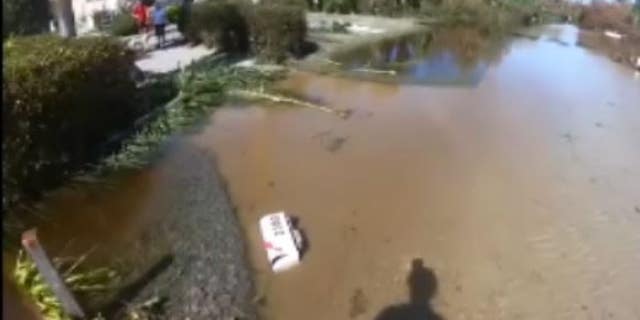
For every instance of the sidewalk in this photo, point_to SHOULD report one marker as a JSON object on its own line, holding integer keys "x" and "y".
{"x": 174, "y": 55}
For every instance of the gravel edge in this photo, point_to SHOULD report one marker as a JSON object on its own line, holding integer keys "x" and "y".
{"x": 209, "y": 276}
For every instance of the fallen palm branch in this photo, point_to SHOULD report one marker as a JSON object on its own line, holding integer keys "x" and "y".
{"x": 200, "y": 91}
{"x": 389, "y": 72}
{"x": 333, "y": 62}
{"x": 261, "y": 95}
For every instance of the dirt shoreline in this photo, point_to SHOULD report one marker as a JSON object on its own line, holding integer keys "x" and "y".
{"x": 204, "y": 272}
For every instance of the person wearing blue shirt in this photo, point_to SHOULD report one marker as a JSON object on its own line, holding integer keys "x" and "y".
{"x": 160, "y": 20}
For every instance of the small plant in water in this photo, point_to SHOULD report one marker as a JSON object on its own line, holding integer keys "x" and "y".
{"x": 28, "y": 278}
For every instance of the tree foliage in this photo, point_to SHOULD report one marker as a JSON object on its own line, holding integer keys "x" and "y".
{"x": 24, "y": 17}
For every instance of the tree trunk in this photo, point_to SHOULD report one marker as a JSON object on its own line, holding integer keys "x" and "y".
{"x": 65, "y": 19}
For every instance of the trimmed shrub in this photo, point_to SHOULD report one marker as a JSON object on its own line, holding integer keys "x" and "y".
{"x": 23, "y": 17}
{"x": 102, "y": 19}
{"x": 123, "y": 24}
{"x": 173, "y": 13}
{"x": 271, "y": 31}
{"x": 219, "y": 24}
{"x": 380, "y": 7}
{"x": 340, "y": 6}
{"x": 62, "y": 99}
{"x": 277, "y": 30}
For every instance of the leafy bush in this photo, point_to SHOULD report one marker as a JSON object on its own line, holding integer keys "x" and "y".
{"x": 489, "y": 17}
{"x": 173, "y": 13}
{"x": 102, "y": 19}
{"x": 81, "y": 283}
{"x": 277, "y": 30}
{"x": 62, "y": 100}
{"x": 23, "y": 17}
{"x": 274, "y": 29}
{"x": 601, "y": 15}
{"x": 340, "y": 6}
{"x": 123, "y": 24}
{"x": 387, "y": 7}
{"x": 218, "y": 23}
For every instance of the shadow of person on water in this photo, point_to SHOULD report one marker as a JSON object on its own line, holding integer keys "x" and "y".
{"x": 422, "y": 285}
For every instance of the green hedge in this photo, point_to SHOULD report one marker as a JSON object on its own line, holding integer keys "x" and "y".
{"x": 277, "y": 30}
{"x": 218, "y": 23}
{"x": 63, "y": 98}
{"x": 173, "y": 13}
{"x": 340, "y": 6}
{"x": 271, "y": 31}
{"x": 123, "y": 24}
{"x": 22, "y": 17}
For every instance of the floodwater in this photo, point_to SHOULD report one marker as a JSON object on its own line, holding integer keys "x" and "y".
{"x": 516, "y": 198}
{"x": 512, "y": 193}
{"x": 457, "y": 57}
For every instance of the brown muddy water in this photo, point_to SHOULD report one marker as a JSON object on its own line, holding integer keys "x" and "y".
{"x": 515, "y": 197}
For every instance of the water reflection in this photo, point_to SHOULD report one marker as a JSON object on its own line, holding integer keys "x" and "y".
{"x": 458, "y": 57}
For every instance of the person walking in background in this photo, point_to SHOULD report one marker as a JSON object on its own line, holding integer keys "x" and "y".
{"x": 141, "y": 15}
{"x": 160, "y": 20}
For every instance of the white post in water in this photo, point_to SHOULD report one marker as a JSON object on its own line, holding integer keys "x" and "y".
{"x": 50, "y": 274}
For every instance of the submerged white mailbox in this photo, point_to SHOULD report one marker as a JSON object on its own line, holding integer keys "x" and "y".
{"x": 281, "y": 241}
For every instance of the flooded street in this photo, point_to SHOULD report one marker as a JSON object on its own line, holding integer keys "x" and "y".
{"x": 472, "y": 182}
{"x": 516, "y": 198}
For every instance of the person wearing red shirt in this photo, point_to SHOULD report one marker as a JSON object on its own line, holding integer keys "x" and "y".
{"x": 141, "y": 15}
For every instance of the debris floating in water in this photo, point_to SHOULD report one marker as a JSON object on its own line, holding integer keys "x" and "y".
{"x": 358, "y": 29}
{"x": 613, "y": 34}
{"x": 281, "y": 240}
{"x": 253, "y": 94}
